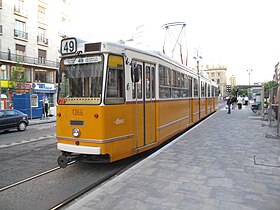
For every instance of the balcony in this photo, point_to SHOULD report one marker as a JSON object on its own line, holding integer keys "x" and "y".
{"x": 20, "y": 34}
{"x": 42, "y": 40}
{"x": 6, "y": 57}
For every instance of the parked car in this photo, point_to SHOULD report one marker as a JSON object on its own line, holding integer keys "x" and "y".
{"x": 12, "y": 118}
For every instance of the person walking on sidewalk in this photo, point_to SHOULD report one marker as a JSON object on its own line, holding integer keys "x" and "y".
{"x": 229, "y": 104}
{"x": 46, "y": 108}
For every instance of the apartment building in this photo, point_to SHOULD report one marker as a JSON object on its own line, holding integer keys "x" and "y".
{"x": 30, "y": 34}
{"x": 218, "y": 74}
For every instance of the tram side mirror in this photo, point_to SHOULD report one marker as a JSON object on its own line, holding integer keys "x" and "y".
{"x": 134, "y": 73}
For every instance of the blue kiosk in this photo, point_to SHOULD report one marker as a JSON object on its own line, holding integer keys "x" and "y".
{"x": 30, "y": 104}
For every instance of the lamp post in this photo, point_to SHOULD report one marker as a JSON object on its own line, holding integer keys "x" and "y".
{"x": 249, "y": 71}
{"x": 197, "y": 57}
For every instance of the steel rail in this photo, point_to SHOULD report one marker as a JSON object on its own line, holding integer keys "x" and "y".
{"x": 32, "y": 177}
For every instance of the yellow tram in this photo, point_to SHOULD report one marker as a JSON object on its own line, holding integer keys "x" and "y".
{"x": 115, "y": 101}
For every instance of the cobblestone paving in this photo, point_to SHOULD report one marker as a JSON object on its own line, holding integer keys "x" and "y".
{"x": 226, "y": 162}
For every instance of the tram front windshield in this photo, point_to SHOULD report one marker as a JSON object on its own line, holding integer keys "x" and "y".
{"x": 81, "y": 78}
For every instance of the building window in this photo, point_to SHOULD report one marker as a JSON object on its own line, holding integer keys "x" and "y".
{"x": 42, "y": 55}
{"x": 3, "y": 73}
{"x": 44, "y": 76}
{"x": 19, "y": 8}
{"x": 20, "y": 53}
{"x": 42, "y": 14}
{"x": 42, "y": 34}
{"x": 20, "y": 73}
{"x": 40, "y": 75}
{"x": 20, "y": 30}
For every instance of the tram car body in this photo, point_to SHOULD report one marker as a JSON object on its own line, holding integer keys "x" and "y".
{"x": 115, "y": 101}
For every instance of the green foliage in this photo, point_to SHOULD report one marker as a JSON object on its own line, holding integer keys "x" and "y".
{"x": 269, "y": 85}
{"x": 17, "y": 79}
{"x": 242, "y": 92}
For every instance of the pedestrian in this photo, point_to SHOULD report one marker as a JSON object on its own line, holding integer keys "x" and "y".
{"x": 233, "y": 102}
{"x": 43, "y": 109}
{"x": 239, "y": 102}
{"x": 229, "y": 104}
{"x": 46, "y": 108}
{"x": 246, "y": 100}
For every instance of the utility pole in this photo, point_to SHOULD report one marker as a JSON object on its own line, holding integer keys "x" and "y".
{"x": 197, "y": 57}
{"x": 249, "y": 71}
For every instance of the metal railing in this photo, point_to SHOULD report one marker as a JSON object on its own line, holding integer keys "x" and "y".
{"x": 272, "y": 108}
{"x": 42, "y": 40}
{"x": 27, "y": 59}
{"x": 20, "y": 34}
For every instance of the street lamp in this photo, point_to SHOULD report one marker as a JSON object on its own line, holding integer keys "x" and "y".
{"x": 249, "y": 71}
{"x": 197, "y": 58}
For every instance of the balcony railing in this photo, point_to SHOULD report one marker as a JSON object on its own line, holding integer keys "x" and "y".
{"x": 20, "y": 34}
{"x": 42, "y": 40}
{"x": 27, "y": 59}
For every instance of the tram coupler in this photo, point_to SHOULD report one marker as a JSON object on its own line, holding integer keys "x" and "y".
{"x": 63, "y": 160}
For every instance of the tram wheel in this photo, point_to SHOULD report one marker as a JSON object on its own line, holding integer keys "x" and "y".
{"x": 62, "y": 161}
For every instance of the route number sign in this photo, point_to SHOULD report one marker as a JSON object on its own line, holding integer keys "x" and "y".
{"x": 68, "y": 46}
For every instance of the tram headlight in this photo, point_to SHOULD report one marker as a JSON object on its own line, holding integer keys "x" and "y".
{"x": 76, "y": 132}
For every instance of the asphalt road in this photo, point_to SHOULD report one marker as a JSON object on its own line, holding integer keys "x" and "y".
{"x": 28, "y": 153}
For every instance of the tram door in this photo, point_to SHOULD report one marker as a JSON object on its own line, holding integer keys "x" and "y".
{"x": 145, "y": 105}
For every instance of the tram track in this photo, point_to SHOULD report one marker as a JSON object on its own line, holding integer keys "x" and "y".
{"x": 88, "y": 188}
{"x": 55, "y": 188}
{"x": 32, "y": 178}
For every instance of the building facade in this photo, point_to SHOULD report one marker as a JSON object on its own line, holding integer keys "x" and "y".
{"x": 30, "y": 34}
{"x": 218, "y": 74}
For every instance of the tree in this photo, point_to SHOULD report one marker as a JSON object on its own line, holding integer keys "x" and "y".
{"x": 269, "y": 85}
{"x": 17, "y": 78}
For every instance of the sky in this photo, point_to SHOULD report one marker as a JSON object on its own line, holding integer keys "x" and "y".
{"x": 243, "y": 35}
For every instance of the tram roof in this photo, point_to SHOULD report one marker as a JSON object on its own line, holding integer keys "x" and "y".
{"x": 121, "y": 48}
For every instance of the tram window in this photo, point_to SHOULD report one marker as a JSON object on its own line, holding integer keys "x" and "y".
{"x": 190, "y": 86}
{"x": 153, "y": 82}
{"x": 83, "y": 80}
{"x": 184, "y": 86}
{"x": 195, "y": 88}
{"x": 165, "y": 82}
{"x": 115, "y": 80}
{"x": 137, "y": 87}
{"x": 202, "y": 89}
{"x": 148, "y": 82}
{"x": 208, "y": 89}
{"x": 176, "y": 90}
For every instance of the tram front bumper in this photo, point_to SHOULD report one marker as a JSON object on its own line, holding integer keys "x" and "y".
{"x": 79, "y": 149}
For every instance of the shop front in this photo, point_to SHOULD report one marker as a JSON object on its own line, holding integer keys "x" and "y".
{"x": 48, "y": 92}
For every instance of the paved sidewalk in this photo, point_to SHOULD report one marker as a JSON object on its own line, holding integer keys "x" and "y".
{"x": 42, "y": 121}
{"x": 226, "y": 162}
